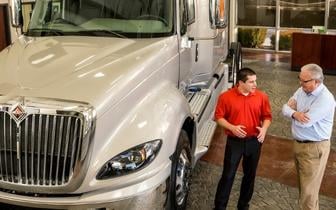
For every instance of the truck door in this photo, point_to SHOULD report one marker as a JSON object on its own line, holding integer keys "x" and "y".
{"x": 185, "y": 45}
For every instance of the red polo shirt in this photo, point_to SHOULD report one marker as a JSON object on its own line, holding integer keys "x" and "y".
{"x": 237, "y": 109}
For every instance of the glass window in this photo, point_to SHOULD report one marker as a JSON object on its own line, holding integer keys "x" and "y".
{"x": 27, "y": 9}
{"x": 256, "y": 38}
{"x": 302, "y": 13}
{"x": 285, "y": 39}
{"x": 332, "y": 32}
{"x": 102, "y": 18}
{"x": 256, "y": 12}
{"x": 269, "y": 41}
{"x": 332, "y": 15}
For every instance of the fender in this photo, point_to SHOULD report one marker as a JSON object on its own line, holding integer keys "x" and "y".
{"x": 159, "y": 114}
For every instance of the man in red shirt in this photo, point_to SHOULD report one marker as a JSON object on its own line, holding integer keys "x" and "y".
{"x": 245, "y": 114}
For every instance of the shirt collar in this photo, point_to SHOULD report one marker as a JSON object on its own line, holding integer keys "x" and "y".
{"x": 318, "y": 90}
{"x": 239, "y": 93}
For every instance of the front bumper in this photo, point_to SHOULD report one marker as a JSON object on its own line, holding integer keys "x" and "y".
{"x": 144, "y": 195}
{"x": 155, "y": 199}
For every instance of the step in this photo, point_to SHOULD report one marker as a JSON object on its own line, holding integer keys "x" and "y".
{"x": 199, "y": 101}
{"x": 200, "y": 151}
{"x": 207, "y": 132}
{"x": 205, "y": 138}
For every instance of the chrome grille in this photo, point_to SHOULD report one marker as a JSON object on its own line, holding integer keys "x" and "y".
{"x": 42, "y": 150}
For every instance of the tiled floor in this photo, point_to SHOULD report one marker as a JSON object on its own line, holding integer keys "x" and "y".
{"x": 283, "y": 57}
{"x": 276, "y": 162}
{"x": 277, "y": 181}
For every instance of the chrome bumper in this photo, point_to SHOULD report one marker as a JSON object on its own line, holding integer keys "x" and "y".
{"x": 153, "y": 199}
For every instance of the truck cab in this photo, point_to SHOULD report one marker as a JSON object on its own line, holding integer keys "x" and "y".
{"x": 109, "y": 103}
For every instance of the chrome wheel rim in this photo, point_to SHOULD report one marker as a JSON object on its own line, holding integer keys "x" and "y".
{"x": 182, "y": 177}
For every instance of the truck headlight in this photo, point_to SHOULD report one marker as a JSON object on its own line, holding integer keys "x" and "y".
{"x": 130, "y": 160}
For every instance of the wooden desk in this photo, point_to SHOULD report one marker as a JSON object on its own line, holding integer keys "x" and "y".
{"x": 314, "y": 48}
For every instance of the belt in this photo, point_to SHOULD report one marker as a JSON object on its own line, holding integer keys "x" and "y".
{"x": 242, "y": 139}
{"x": 308, "y": 141}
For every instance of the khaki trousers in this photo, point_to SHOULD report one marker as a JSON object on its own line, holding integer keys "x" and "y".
{"x": 310, "y": 161}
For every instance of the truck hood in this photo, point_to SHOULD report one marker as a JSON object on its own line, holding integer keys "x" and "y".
{"x": 88, "y": 69}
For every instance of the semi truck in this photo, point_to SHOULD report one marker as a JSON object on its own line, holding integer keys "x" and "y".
{"x": 108, "y": 104}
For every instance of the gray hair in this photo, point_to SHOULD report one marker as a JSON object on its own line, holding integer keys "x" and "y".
{"x": 315, "y": 70}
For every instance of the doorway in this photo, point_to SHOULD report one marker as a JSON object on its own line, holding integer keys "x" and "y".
{"x": 4, "y": 27}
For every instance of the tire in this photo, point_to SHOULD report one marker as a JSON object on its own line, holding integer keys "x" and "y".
{"x": 180, "y": 174}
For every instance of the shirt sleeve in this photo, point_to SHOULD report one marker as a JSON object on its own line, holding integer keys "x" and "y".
{"x": 287, "y": 111}
{"x": 322, "y": 107}
{"x": 267, "y": 113}
{"x": 220, "y": 108}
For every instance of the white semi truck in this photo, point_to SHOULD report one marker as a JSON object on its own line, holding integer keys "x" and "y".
{"x": 108, "y": 104}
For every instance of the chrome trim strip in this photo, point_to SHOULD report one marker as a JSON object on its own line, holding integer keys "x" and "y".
{"x": 18, "y": 152}
{"x": 5, "y": 145}
{"x": 66, "y": 148}
{"x": 1, "y": 164}
{"x": 73, "y": 152}
{"x": 26, "y": 151}
{"x": 39, "y": 147}
{"x": 59, "y": 149}
{"x": 32, "y": 150}
{"x": 45, "y": 151}
{"x": 11, "y": 149}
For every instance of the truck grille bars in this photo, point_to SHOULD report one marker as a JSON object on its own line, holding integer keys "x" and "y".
{"x": 44, "y": 144}
{"x": 41, "y": 150}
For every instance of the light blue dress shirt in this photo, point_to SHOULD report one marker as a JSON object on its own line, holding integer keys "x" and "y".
{"x": 319, "y": 105}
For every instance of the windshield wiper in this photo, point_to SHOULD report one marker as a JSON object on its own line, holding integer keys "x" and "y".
{"x": 45, "y": 31}
{"x": 100, "y": 32}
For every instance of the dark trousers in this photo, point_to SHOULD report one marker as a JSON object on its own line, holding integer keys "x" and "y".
{"x": 236, "y": 148}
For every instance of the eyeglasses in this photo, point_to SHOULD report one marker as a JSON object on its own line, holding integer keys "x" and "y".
{"x": 305, "y": 81}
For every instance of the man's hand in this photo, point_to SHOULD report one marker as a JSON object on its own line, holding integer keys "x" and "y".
{"x": 292, "y": 103}
{"x": 262, "y": 134}
{"x": 302, "y": 117}
{"x": 238, "y": 130}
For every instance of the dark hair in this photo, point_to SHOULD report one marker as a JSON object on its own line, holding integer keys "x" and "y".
{"x": 243, "y": 73}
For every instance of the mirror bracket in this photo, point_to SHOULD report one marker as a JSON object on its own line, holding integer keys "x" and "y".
{"x": 16, "y": 13}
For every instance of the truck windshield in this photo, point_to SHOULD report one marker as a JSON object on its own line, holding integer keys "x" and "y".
{"x": 116, "y": 18}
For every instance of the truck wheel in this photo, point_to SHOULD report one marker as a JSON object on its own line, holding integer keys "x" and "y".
{"x": 180, "y": 173}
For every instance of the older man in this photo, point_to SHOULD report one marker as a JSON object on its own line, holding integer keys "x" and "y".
{"x": 311, "y": 109}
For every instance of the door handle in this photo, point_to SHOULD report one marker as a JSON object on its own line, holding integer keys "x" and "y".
{"x": 196, "y": 53}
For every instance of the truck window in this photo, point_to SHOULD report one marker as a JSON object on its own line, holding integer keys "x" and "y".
{"x": 121, "y": 18}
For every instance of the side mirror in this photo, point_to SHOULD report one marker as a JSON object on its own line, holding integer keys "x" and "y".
{"x": 16, "y": 13}
{"x": 219, "y": 13}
